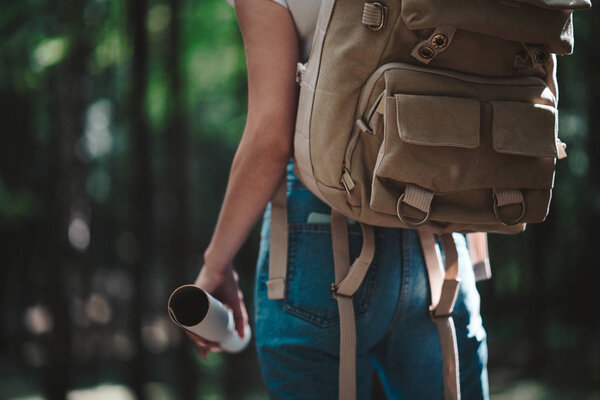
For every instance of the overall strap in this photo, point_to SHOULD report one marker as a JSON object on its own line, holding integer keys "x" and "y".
{"x": 444, "y": 290}
{"x": 478, "y": 250}
{"x": 347, "y": 280}
{"x": 278, "y": 243}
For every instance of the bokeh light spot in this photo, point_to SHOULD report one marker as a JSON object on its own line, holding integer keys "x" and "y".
{"x": 38, "y": 320}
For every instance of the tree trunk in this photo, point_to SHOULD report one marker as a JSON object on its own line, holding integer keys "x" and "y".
{"x": 68, "y": 189}
{"x": 179, "y": 229}
{"x": 141, "y": 185}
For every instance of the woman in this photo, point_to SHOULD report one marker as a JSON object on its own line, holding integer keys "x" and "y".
{"x": 297, "y": 338}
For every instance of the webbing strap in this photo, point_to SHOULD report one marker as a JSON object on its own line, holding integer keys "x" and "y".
{"x": 373, "y": 15}
{"x": 347, "y": 281}
{"x": 447, "y": 334}
{"x": 350, "y": 284}
{"x": 508, "y": 196}
{"x": 478, "y": 250}
{"x": 444, "y": 290}
{"x": 418, "y": 197}
{"x": 278, "y": 243}
{"x": 451, "y": 280}
{"x": 341, "y": 261}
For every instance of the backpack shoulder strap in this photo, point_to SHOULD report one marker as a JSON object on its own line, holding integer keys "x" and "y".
{"x": 443, "y": 285}
{"x": 347, "y": 281}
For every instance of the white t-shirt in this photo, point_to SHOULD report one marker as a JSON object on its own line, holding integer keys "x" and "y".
{"x": 304, "y": 13}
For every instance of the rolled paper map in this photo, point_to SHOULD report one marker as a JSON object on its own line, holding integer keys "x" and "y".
{"x": 194, "y": 309}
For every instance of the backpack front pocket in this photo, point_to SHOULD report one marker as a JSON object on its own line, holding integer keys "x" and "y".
{"x": 311, "y": 272}
{"x": 469, "y": 150}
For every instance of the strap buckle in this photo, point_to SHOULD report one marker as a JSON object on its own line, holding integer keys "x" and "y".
{"x": 334, "y": 291}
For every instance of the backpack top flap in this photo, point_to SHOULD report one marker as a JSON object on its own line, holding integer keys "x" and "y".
{"x": 560, "y": 4}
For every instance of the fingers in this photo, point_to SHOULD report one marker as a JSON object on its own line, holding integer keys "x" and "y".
{"x": 240, "y": 315}
{"x": 203, "y": 346}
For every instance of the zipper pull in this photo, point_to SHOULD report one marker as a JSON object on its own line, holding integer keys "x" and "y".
{"x": 380, "y": 106}
{"x": 347, "y": 180}
{"x": 376, "y": 112}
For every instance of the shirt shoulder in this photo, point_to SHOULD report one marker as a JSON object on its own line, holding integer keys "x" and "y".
{"x": 282, "y": 2}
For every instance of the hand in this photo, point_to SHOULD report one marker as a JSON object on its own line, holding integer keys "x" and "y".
{"x": 223, "y": 285}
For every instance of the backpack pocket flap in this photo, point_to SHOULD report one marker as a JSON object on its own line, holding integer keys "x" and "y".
{"x": 559, "y": 4}
{"x": 524, "y": 129}
{"x": 438, "y": 120}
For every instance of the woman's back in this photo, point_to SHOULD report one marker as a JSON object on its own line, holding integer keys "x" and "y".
{"x": 297, "y": 337}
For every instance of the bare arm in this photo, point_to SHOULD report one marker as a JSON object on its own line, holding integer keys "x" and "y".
{"x": 271, "y": 46}
{"x": 271, "y": 54}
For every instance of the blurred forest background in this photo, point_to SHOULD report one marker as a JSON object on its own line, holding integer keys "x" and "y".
{"x": 121, "y": 119}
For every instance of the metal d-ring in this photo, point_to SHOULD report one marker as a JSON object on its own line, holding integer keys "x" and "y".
{"x": 513, "y": 222}
{"x": 404, "y": 220}
{"x": 383, "y": 9}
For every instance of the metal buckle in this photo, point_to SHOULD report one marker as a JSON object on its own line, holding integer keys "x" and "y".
{"x": 383, "y": 9}
{"x": 334, "y": 292}
{"x": 501, "y": 219}
{"x": 404, "y": 220}
{"x": 433, "y": 317}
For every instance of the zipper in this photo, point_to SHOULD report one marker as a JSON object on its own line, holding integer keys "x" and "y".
{"x": 375, "y": 108}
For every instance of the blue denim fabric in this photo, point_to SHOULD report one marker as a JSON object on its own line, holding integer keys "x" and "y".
{"x": 297, "y": 338}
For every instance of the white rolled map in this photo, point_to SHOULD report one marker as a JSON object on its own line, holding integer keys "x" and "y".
{"x": 194, "y": 309}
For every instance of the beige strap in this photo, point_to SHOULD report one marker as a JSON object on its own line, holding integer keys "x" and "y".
{"x": 443, "y": 297}
{"x": 418, "y": 197}
{"x": 449, "y": 346}
{"x": 363, "y": 127}
{"x": 478, "y": 250}
{"x": 350, "y": 284}
{"x": 505, "y": 197}
{"x": 278, "y": 243}
{"x": 341, "y": 260}
{"x": 433, "y": 259}
{"x": 427, "y": 49}
{"x": 347, "y": 281}
{"x": 561, "y": 149}
{"x": 451, "y": 280}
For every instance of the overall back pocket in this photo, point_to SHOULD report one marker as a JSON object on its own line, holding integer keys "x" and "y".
{"x": 311, "y": 272}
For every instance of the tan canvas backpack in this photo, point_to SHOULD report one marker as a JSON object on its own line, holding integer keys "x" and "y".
{"x": 428, "y": 114}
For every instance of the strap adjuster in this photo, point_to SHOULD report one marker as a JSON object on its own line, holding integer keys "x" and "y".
{"x": 334, "y": 291}
{"x": 374, "y": 15}
{"x": 433, "y": 316}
